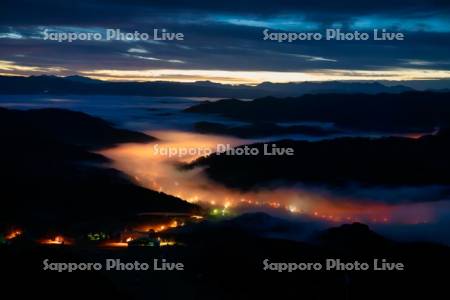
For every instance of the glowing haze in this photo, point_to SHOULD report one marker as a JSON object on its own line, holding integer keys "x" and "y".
{"x": 153, "y": 169}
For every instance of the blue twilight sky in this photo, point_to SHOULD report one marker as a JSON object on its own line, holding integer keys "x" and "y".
{"x": 223, "y": 40}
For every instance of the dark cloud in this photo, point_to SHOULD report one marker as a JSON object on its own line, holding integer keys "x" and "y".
{"x": 104, "y": 12}
{"x": 220, "y": 35}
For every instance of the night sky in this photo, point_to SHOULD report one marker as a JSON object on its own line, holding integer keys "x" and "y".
{"x": 223, "y": 40}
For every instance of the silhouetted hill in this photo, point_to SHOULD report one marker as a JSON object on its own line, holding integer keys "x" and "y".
{"x": 77, "y": 78}
{"x": 354, "y": 236}
{"x": 72, "y": 127}
{"x": 49, "y": 178}
{"x": 255, "y": 224}
{"x": 389, "y": 161}
{"x": 83, "y": 86}
{"x": 220, "y": 266}
{"x": 262, "y": 129}
{"x": 404, "y": 112}
{"x": 293, "y": 88}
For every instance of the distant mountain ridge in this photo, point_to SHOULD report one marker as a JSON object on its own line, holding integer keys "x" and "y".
{"x": 339, "y": 163}
{"x": 76, "y": 84}
{"x": 393, "y": 113}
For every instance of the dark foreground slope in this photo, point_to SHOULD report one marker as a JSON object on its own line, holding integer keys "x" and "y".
{"x": 224, "y": 262}
{"x": 49, "y": 177}
{"x": 369, "y": 162}
{"x": 75, "y": 128}
{"x": 404, "y": 112}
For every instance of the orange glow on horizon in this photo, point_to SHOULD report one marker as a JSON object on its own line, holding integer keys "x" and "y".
{"x": 234, "y": 77}
{"x": 256, "y": 77}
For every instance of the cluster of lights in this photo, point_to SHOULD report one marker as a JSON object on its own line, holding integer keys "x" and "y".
{"x": 165, "y": 243}
{"x": 101, "y": 236}
{"x": 293, "y": 210}
{"x": 272, "y": 204}
{"x": 163, "y": 227}
{"x": 13, "y": 234}
{"x": 56, "y": 240}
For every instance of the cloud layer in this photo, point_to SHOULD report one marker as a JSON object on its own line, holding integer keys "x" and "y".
{"x": 222, "y": 38}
